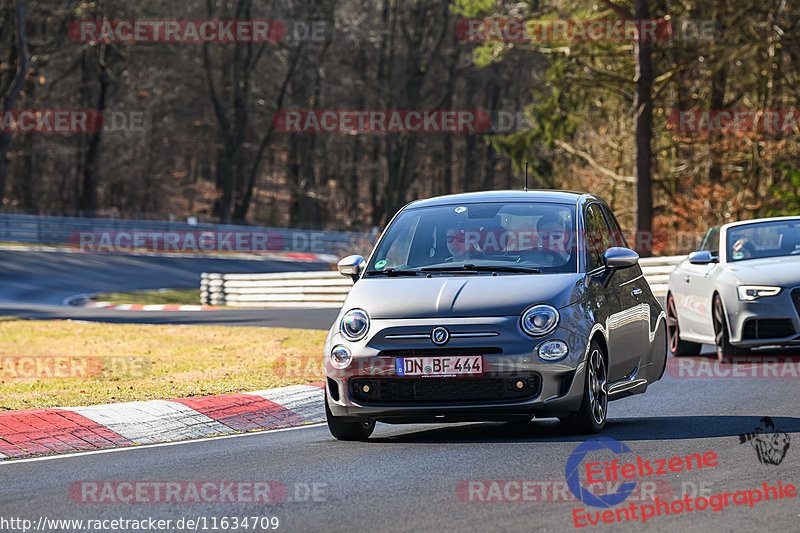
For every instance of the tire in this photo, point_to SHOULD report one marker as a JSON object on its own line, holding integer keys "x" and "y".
{"x": 343, "y": 430}
{"x": 721, "y": 336}
{"x": 678, "y": 347}
{"x": 591, "y": 417}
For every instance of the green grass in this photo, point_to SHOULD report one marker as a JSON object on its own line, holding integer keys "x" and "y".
{"x": 160, "y": 296}
{"x": 107, "y": 363}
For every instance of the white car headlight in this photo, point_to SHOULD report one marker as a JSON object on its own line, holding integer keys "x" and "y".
{"x": 754, "y": 292}
{"x": 539, "y": 320}
{"x": 340, "y": 357}
{"x": 354, "y": 325}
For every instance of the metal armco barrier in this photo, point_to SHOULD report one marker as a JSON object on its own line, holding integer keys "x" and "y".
{"x": 329, "y": 289}
{"x": 57, "y": 230}
{"x": 656, "y": 271}
{"x": 291, "y": 289}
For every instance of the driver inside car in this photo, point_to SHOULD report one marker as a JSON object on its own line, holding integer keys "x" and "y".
{"x": 552, "y": 237}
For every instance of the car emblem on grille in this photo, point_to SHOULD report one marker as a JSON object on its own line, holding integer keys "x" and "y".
{"x": 440, "y": 336}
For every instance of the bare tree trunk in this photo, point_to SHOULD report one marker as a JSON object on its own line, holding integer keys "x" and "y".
{"x": 23, "y": 59}
{"x": 643, "y": 106}
{"x": 94, "y": 71}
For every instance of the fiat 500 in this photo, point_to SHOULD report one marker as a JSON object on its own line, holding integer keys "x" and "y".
{"x": 493, "y": 306}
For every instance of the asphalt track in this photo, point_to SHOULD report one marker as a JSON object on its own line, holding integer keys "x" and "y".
{"x": 405, "y": 477}
{"x": 36, "y": 285}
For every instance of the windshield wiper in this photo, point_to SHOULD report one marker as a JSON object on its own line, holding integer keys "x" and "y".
{"x": 392, "y": 272}
{"x": 481, "y": 268}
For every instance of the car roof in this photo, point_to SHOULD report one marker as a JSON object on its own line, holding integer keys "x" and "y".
{"x": 531, "y": 195}
{"x": 757, "y": 220}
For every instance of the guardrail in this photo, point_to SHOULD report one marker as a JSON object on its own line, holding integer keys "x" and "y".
{"x": 329, "y": 289}
{"x": 656, "y": 271}
{"x": 291, "y": 289}
{"x": 63, "y": 231}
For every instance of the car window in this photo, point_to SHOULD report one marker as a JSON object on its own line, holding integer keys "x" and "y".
{"x": 710, "y": 242}
{"x": 763, "y": 239}
{"x": 597, "y": 237}
{"x": 516, "y": 234}
{"x": 616, "y": 232}
{"x": 398, "y": 245}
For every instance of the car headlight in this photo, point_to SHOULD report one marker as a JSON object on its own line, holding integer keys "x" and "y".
{"x": 340, "y": 357}
{"x": 354, "y": 325}
{"x": 754, "y": 292}
{"x": 553, "y": 350}
{"x": 539, "y": 320}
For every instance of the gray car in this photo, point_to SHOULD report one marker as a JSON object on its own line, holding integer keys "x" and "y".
{"x": 740, "y": 289}
{"x": 503, "y": 305}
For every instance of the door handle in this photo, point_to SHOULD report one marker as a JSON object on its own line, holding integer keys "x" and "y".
{"x": 687, "y": 279}
{"x": 636, "y": 292}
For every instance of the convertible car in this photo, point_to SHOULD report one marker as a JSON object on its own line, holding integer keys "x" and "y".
{"x": 503, "y": 305}
{"x": 740, "y": 289}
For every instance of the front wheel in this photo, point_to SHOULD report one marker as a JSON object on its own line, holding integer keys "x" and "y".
{"x": 721, "y": 336}
{"x": 676, "y": 346}
{"x": 591, "y": 417}
{"x": 343, "y": 430}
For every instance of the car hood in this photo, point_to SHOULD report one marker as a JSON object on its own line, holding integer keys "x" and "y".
{"x": 779, "y": 271}
{"x": 462, "y": 295}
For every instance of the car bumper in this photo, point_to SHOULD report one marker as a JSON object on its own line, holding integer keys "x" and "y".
{"x": 771, "y": 320}
{"x": 509, "y": 356}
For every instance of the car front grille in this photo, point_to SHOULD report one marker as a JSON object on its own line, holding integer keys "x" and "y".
{"x": 796, "y": 299}
{"x": 444, "y": 352}
{"x": 767, "y": 328}
{"x": 383, "y": 391}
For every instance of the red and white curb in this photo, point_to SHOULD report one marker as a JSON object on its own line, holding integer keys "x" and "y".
{"x": 151, "y": 307}
{"x": 27, "y": 432}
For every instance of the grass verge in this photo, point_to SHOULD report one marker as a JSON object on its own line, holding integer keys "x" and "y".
{"x": 66, "y": 363}
{"x": 159, "y": 296}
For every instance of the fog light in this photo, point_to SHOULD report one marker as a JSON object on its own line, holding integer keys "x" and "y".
{"x": 553, "y": 350}
{"x": 519, "y": 384}
{"x": 365, "y": 388}
{"x": 340, "y": 357}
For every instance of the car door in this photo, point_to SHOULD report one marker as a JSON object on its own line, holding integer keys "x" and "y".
{"x": 633, "y": 296}
{"x": 621, "y": 347}
{"x": 692, "y": 291}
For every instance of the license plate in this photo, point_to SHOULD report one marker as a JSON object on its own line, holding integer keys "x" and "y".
{"x": 439, "y": 366}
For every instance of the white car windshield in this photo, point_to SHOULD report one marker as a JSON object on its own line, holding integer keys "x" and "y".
{"x": 763, "y": 239}
{"x": 535, "y": 237}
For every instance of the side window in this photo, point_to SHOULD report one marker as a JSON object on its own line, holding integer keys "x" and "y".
{"x": 598, "y": 237}
{"x": 710, "y": 242}
{"x": 616, "y": 231}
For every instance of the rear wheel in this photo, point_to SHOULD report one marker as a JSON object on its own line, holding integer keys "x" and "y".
{"x": 721, "y": 336}
{"x": 591, "y": 417}
{"x": 344, "y": 430}
{"x": 676, "y": 346}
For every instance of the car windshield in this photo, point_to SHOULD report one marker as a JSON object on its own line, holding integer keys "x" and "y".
{"x": 763, "y": 239}
{"x": 514, "y": 237}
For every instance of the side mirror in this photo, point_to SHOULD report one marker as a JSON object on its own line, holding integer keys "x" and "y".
{"x": 351, "y": 266}
{"x": 702, "y": 257}
{"x": 617, "y": 257}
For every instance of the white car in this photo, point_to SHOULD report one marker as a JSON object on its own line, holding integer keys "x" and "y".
{"x": 739, "y": 290}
